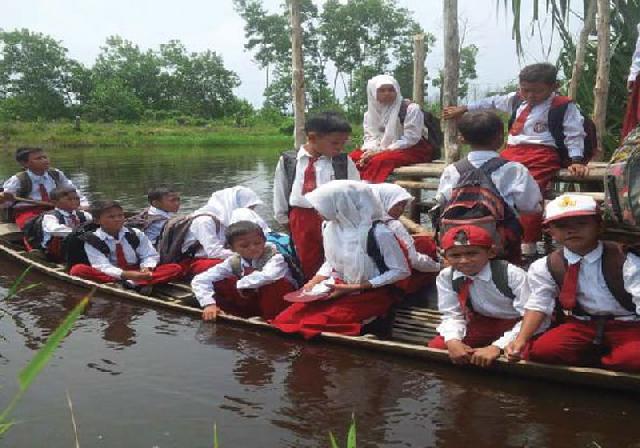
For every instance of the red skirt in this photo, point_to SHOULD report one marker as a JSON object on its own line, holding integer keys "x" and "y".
{"x": 380, "y": 166}
{"x": 266, "y": 301}
{"x": 194, "y": 266}
{"x": 24, "y": 214}
{"x": 305, "y": 225}
{"x": 632, "y": 114}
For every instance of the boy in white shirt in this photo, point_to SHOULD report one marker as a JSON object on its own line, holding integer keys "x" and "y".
{"x": 164, "y": 203}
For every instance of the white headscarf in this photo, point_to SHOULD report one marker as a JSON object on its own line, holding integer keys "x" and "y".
{"x": 222, "y": 203}
{"x": 382, "y": 119}
{"x": 349, "y": 208}
{"x": 246, "y": 214}
{"x": 389, "y": 195}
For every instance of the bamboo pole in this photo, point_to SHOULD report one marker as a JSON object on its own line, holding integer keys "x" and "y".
{"x": 602, "y": 75}
{"x": 297, "y": 72}
{"x": 581, "y": 48}
{"x": 451, "y": 75}
{"x": 418, "y": 69}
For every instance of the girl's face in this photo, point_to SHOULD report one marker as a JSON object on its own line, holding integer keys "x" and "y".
{"x": 386, "y": 94}
{"x": 397, "y": 210}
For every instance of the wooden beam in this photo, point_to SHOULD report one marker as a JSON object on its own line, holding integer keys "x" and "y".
{"x": 419, "y": 54}
{"x": 581, "y": 47}
{"x": 602, "y": 74}
{"x": 451, "y": 76}
{"x": 297, "y": 72}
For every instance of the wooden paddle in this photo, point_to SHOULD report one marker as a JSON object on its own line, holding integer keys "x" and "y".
{"x": 33, "y": 201}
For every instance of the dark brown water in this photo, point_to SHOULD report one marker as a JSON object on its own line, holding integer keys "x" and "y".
{"x": 141, "y": 377}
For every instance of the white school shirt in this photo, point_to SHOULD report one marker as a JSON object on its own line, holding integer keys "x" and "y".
{"x": 203, "y": 229}
{"x": 419, "y": 262}
{"x": 536, "y": 128}
{"x": 635, "y": 60}
{"x": 145, "y": 255}
{"x": 154, "y": 229}
{"x": 51, "y": 226}
{"x": 275, "y": 269}
{"x": 485, "y": 299}
{"x": 12, "y": 185}
{"x": 411, "y": 133}
{"x": 592, "y": 295}
{"x": 324, "y": 174}
{"x": 392, "y": 255}
{"x": 512, "y": 180}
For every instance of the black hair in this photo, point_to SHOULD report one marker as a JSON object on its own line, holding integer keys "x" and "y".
{"x": 22, "y": 154}
{"x": 326, "y": 123}
{"x": 157, "y": 193}
{"x": 99, "y": 207}
{"x": 241, "y": 228}
{"x": 541, "y": 72}
{"x": 480, "y": 128}
{"x": 60, "y": 192}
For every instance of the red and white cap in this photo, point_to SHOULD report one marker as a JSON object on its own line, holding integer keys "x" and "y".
{"x": 568, "y": 205}
{"x": 467, "y": 235}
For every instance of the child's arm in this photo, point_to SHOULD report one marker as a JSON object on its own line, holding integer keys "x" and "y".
{"x": 419, "y": 261}
{"x": 448, "y": 180}
{"x": 412, "y": 129}
{"x": 523, "y": 188}
{"x": 147, "y": 254}
{"x": 52, "y": 226}
{"x": 274, "y": 270}
{"x": 631, "y": 278}
{"x": 502, "y": 103}
{"x": 101, "y": 262}
{"x": 352, "y": 170}
{"x": 10, "y": 188}
{"x": 393, "y": 257}
{"x": 206, "y": 233}
{"x": 453, "y": 325}
{"x": 202, "y": 287}
{"x": 280, "y": 198}
{"x": 574, "y": 134}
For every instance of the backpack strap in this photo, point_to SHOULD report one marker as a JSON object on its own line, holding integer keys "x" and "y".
{"x": 517, "y": 101}
{"x": 82, "y": 216}
{"x": 56, "y": 175}
{"x": 236, "y": 265}
{"x": 373, "y": 249}
{"x": 59, "y": 216}
{"x": 132, "y": 238}
{"x": 96, "y": 243}
{"x": 289, "y": 162}
{"x": 340, "y": 165}
{"x": 557, "y": 111}
{"x": 26, "y": 185}
{"x": 404, "y": 107}
{"x": 613, "y": 258}
{"x": 500, "y": 277}
{"x": 463, "y": 166}
{"x": 456, "y": 284}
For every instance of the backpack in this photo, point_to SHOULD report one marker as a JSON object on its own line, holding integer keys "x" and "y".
{"x": 499, "y": 275}
{"x": 283, "y": 243}
{"x": 558, "y": 109}
{"x": 143, "y": 220}
{"x": 613, "y": 258}
{"x": 26, "y": 185}
{"x": 373, "y": 249}
{"x": 33, "y": 228}
{"x": 435, "y": 137}
{"x": 290, "y": 161}
{"x": 475, "y": 200}
{"x": 270, "y": 251}
{"x": 622, "y": 190}
{"x": 73, "y": 245}
{"x": 172, "y": 238}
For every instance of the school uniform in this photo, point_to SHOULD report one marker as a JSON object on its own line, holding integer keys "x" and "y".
{"x": 220, "y": 285}
{"x": 295, "y": 210}
{"x": 54, "y": 231}
{"x": 160, "y": 218}
{"x": 632, "y": 114}
{"x": 122, "y": 256}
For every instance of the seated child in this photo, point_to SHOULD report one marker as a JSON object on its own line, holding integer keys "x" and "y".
{"x": 320, "y": 160}
{"x": 251, "y": 282}
{"x": 420, "y": 249}
{"x": 484, "y": 133}
{"x": 597, "y": 286}
{"x": 60, "y": 222}
{"x": 481, "y": 300}
{"x": 357, "y": 285}
{"x": 36, "y": 182}
{"x": 116, "y": 252}
{"x": 204, "y": 243}
{"x": 164, "y": 203}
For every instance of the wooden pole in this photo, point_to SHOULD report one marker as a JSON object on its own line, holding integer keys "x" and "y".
{"x": 297, "y": 72}
{"x": 602, "y": 74}
{"x": 581, "y": 48}
{"x": 418, "y": 69}
{"x": 451, "y": 75}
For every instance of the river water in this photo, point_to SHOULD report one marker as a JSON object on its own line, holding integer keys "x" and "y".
{"x": 142, "y": 377}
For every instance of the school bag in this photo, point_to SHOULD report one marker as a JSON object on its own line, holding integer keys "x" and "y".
{"x": 73, "y": 245}
{"x": 283, "y": 243}
{"x": 26, "y": 185}
{"x": 143, "y": 220}
{"x": 270, "y": 251}
{"x": 558, "y": 109}
{"x": 172, "y": 238}
{"x": 622, "y": 189}
{"x": 33, "y": 228}
{"x": 475, "y": 200}
{"x": 435, "y": 137}
{"x": 499, "y": 275}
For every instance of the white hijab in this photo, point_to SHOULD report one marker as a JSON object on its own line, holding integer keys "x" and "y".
{"x": 349, "y": 208}
{"x": 222, "y": 203}
{"x": 382, "y": 119}
{"x": 389, "y": 195}
{"x": 246, "y": 214}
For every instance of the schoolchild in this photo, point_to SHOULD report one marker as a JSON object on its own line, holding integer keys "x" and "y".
{"x": 596, "y": 287}
{"x": 35, "y": 182}
{"x": 481, "y": 300}
{"x": 390, "y": 139}
{"x": 420, "y": 250}
{"x": 632, "y": 114}
{"x": 532, "y": 141}
{"x": 164, "y": 203}
{"x": 318, "y": 161}
{"x": 355, "y": 287}
{"x": 484, "y": 133}
{"x": 251, "y": 282}
{"x": 118, "y": 253}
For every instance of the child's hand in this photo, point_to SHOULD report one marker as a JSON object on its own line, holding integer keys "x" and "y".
{"x": 146, "y": 270}
{"x": 313, "y": 282}
{"x": 366, "y": 156}
{"x": 342, "y": 289}
{"x": 6, "y": 196}
{"x": 210, "y": 312}
{"x": 459, "y": 352}
{"x": 136, "y": 275}
{"x": 513, "y": 351}
{"x": 484, "y": 357}
{"x": 578, "y": 169}
{"x": 451, "y": 112}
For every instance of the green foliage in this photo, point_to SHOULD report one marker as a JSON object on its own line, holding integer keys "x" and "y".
{"x": 15, "y": 288}
{"x": 468, "y": 72}
{"x": 351, "y": 436}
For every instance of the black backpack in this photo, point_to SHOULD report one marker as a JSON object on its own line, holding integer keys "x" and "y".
{"x": 435, "y": 137}
{"x": 33, "y": 228}
{"x": 26, "y": 185}
{"x": 143, "y": 220}
{"x": 171, "y": 239}
{"x": 73, "y": 245}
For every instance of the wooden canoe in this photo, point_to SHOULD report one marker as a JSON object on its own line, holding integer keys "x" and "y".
{"x": 412, "y": 327}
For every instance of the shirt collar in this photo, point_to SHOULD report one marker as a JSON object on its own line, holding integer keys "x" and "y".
{"x": 104, "y": 236}
{"x": 573, "y": 258}
{"x": 159, "y": 212}
{"x": 35, "y": 176}
{"x": 546, "y": 103}
{"x": 481, "y": 155}
{"x": 64, "y": 213}
{"x": 484, "y": 274}
{"x": 304, "y": 153}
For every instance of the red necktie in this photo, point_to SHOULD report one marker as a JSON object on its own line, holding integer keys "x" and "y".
{"x": 121, "y": 259}
{"x": 463, "y": 294}
{"x": 309, "y": 183}
{"x": 569, "y": 288}
{"x": 74, "y": 220}
{"x": 44, "y": 196}
{"x": 518, "y": 125}
{"x": 247, "y": 270}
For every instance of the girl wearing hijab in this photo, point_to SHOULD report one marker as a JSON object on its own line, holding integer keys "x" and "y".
{"x": 355, "y": 287}
{"x": 420, "y": 250}
{"x": 389, "y": 141}
{"x": 204, "y": 243}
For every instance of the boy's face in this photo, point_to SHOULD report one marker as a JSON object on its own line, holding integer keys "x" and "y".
{"x": 38, "y": 162}
{"x": 579, "y": 234}
{"x": 386, "y": 94}
{"x": 249, "y": 246}
{"x": 68, "y": 202}
{"x": 536, "y": 92}
{"x": 111, "y": 220}
{"x": 396, "y": 211}
{"x": 329, "y": 145}
{"x": 469, "y": 259}
{"x": 169, "y": 202}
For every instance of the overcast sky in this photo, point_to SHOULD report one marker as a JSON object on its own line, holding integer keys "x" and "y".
{"x": 83, "y": 26}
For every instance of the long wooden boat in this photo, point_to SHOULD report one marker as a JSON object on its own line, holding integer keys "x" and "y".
{"x": 412, "y": 327}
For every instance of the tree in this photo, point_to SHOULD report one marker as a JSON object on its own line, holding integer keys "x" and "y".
{"x": 468, "y": 72}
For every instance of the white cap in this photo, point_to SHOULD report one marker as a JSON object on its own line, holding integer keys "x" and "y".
{"x": 568, "y": 205}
